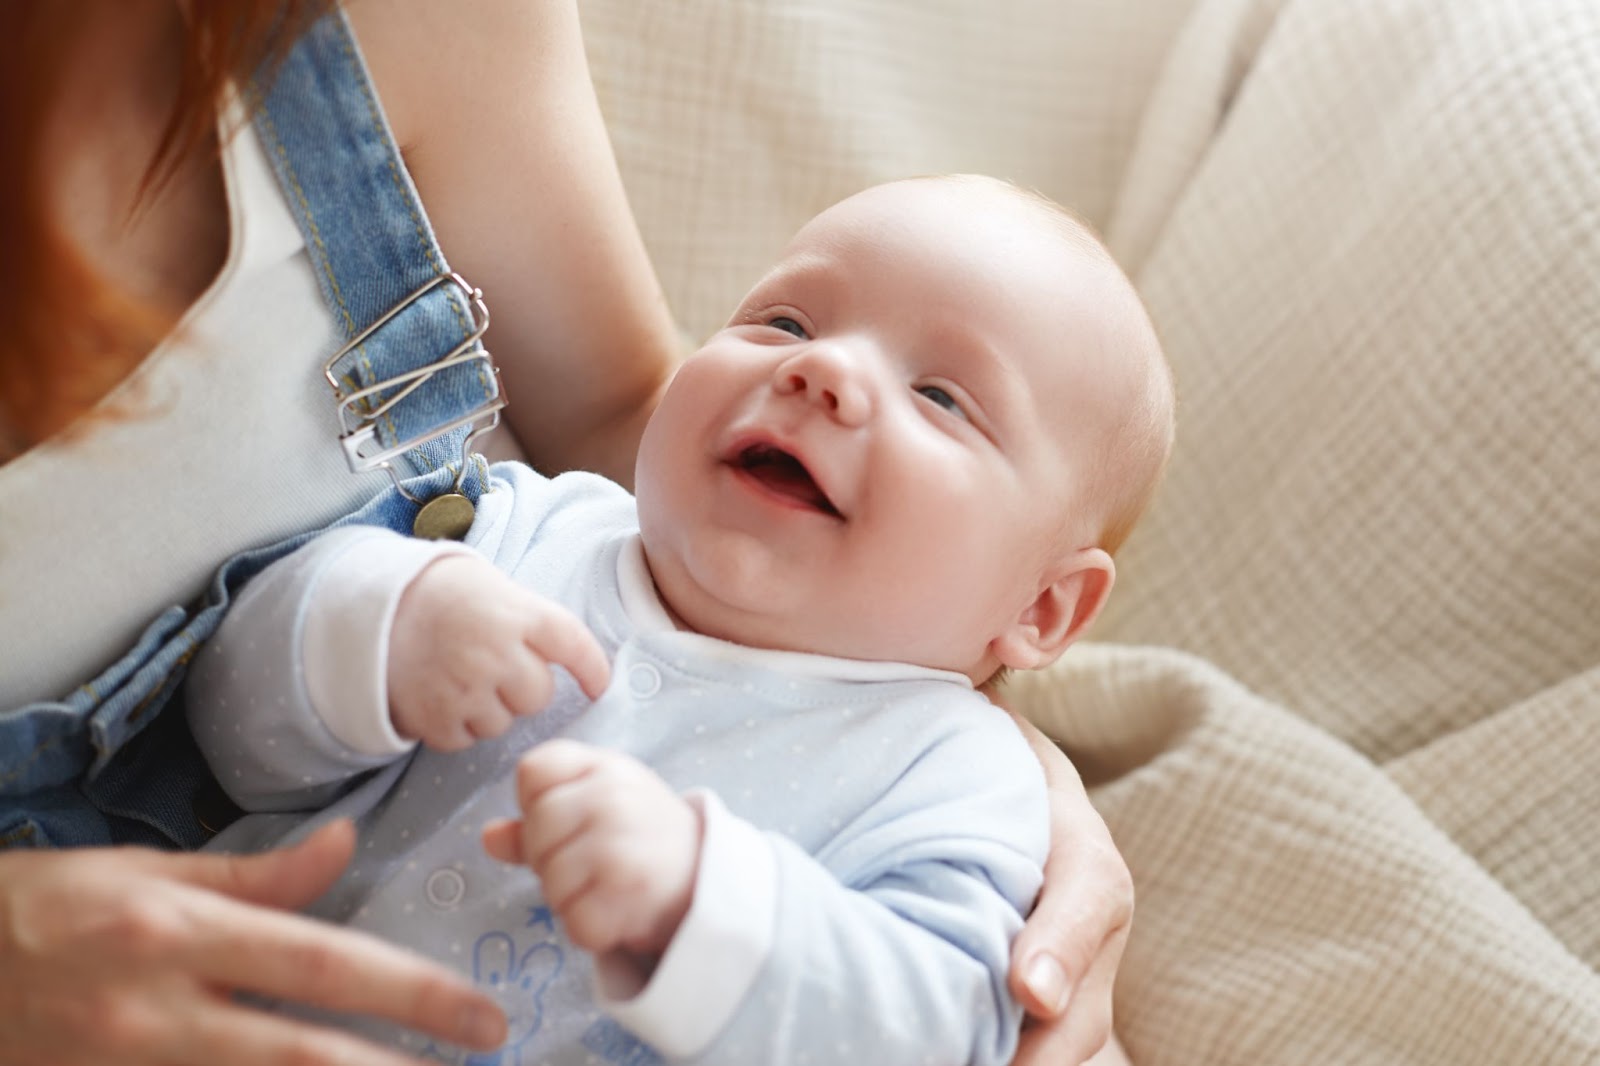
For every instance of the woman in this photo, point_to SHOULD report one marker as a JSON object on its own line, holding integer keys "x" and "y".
{"x": 161, "y": 409}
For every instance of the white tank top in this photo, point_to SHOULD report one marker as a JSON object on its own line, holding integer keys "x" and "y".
{"x": 231, "y": 445}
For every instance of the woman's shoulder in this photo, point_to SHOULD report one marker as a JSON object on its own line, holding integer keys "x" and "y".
{"x": 498, "y": 124}
{"x": 432, "y": 62}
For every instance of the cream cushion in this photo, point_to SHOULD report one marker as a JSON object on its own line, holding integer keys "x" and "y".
{"x": 1344, "y": 715}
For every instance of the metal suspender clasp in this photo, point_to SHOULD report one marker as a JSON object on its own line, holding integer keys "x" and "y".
{"x": 362, "y": 408}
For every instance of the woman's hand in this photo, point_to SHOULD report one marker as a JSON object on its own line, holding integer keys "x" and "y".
{"x": 132, "y": 956}
{"x": 1065, "y": 959}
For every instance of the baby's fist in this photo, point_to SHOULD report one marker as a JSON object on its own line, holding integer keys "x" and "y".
{"x": 471, "y": 650}
{"x": 615, "y": 848}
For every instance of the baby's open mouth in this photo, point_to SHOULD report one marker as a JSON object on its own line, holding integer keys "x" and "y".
{"x": 785, "y": 475}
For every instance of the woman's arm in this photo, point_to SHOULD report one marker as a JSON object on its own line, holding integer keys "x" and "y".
{"x": 132, "y": 956}
{"x": 499, "y": 125}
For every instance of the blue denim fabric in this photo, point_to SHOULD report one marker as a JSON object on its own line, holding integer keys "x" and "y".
{"x": 114, "y": 762}
{"x": 371, "y": 243}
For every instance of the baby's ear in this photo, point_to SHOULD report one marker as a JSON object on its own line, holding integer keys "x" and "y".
{"x": 1076, "y": 590}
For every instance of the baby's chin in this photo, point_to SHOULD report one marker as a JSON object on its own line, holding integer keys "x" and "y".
{"x": 729, "y": 586}
{"x": 755, "y": 622}
{"x": 748, "y": 601}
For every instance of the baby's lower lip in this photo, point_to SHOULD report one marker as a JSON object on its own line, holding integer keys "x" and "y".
{"x": 774, "y": 494}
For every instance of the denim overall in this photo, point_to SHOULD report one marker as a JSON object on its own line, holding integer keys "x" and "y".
{"x": 114, "y": 761}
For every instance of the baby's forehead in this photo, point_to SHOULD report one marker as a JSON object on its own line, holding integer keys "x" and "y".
{"x": 984, "y": 245}
{"x": 972, "y": 201}
{"x": 982, "y": 236}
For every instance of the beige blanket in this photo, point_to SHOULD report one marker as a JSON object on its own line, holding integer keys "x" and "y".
{"x": 1362, "y": 802}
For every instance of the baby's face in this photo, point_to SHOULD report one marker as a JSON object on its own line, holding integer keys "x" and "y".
{"x": 879, "y": 454}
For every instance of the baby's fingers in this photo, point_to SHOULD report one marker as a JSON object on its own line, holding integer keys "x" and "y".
{"x": 556, "y": 634}
{"x": 553, "y": 763}
{"x": 502, "y": 839}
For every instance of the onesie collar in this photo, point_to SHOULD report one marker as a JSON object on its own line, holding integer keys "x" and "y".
{"x": 648, "y": 615}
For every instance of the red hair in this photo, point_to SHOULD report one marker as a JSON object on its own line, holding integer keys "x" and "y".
{"x": 68, "y": 336}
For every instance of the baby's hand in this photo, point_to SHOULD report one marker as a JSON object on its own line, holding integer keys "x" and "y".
{"x": 471, "y": 650}
{"x": 615, "y": 847}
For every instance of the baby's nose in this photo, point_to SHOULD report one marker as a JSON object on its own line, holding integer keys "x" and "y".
{"x": 824, "y": 374}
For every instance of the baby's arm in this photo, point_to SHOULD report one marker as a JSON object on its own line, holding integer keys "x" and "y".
{"x": 718, "y": 943}
{"x": 892, "y": 944}
{"x": 292, "y": 697}
{"x": 287, "y": 700}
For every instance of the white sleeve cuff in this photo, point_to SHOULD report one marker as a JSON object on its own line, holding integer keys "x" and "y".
{"x": 345, "y": 639}
{"x": 718, "y": 950}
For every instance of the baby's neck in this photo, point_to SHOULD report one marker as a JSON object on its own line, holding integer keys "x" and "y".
{"x": 682, "y": 625}
{"x": 672, "y": 615}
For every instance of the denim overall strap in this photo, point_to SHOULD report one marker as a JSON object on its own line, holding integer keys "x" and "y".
{"x": 114, "y": 761}
{"x": 414, "y": 376}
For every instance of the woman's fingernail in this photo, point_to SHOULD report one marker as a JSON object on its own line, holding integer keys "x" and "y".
{"x": 1048, "y": 982}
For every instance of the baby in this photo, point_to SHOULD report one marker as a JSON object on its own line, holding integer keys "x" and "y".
{"x": 772, "y": 819}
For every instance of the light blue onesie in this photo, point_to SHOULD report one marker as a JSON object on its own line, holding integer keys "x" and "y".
{"x": 874, "y": 832}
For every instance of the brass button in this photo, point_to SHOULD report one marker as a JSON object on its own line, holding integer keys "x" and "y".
{"x": 446, "y": 517}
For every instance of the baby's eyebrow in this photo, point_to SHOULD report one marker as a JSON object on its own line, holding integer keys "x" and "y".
{"x": 791, "y": 271}
{"x": 998, "y": 385}
{"x": 1004, "y": 392}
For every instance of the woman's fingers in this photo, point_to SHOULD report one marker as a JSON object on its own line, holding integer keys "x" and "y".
{"x": 1081, "y": 920}
{"x": 1084, "y": 1027}
{"x": 209, "y": 922}
{"x": 114, "y": 954}
{"x": 288, "y": 878}
{"x": 223, "y": 1032}
{"x": 1064, "y": 961}
{"x": 237, "y": 947}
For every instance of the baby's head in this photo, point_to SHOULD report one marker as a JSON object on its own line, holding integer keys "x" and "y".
{"x": 921, "y": 437}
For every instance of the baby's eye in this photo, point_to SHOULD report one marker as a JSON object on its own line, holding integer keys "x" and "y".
{"x": 788, "y": 325}
{"x": 941, "y": 398}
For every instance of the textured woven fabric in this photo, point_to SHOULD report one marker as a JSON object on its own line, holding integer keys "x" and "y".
{"x": 736, "y": 122}
{"x": 1348, "y": 732}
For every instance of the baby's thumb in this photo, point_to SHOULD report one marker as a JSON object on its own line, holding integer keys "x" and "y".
{"x": 502, "y": 839}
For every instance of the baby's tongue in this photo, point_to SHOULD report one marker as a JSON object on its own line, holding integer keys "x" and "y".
{"x": 785, "y": 474}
